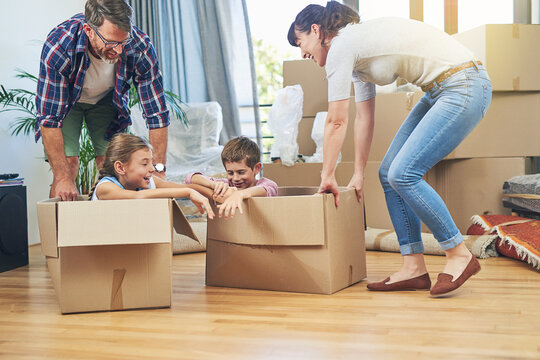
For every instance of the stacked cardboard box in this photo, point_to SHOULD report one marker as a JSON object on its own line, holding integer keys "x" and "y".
{"x": 470, "y": 178}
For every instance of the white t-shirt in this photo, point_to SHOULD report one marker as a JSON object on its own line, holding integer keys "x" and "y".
{"x": 381, "y": 50}
{"x": 98, "y": 80}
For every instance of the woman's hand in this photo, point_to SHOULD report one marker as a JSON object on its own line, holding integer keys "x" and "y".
{"x": 329, "y": 185}
{"x": 220, "y": 189}
{"x": 357, "y": 183}
{"x": 229, "y": 206}
{"x": 200, "y": 201}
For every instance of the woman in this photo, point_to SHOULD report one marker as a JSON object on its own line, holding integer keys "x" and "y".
{"x": 457, "y": 93}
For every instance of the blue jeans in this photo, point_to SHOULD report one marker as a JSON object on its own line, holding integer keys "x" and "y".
{"x": 445, "y": 115}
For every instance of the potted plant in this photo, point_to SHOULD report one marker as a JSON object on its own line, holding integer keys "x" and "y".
{"x": 24, "y": 101}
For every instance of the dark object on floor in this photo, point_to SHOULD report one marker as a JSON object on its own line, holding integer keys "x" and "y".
{"x": 522, "y": 195}
{"x": 13, "y": 228}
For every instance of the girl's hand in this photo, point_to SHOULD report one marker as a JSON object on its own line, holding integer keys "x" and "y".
{"x": 357, "y": 183}
{"x": 329, "y": 185}
{"x": 200, "y": 201}
{"x": 220, "y": 189}
{"x": 229, "y": 206}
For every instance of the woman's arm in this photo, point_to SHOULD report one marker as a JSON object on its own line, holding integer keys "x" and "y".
{"x": 335, "y": 129}
{"x": 363, "y": 134}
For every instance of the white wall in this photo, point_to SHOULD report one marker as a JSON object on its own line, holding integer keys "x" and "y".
{"x": 24, "y": 26}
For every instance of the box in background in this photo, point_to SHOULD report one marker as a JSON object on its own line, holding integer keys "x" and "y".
{"x": 296, "y": 242}
{"x": 510, "y": 127}
{"x": 467, "y": 186}
{"x": 474, "y": 186}
{"x": 110, "y": 255}
{"x": 510, "y": 53}
{"x": 306, "y": 174}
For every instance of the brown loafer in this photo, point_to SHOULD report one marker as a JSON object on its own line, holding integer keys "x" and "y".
{"x": 444, "y": 281}
{"x": 421, "y": 282}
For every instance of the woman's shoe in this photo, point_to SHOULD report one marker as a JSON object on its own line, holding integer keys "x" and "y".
{"x": 444, "y": 281}
{"x": 421, "y": 282}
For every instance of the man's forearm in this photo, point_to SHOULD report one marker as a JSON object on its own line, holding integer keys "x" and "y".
{"x": 158, "y": 140}
{"x": 53, "y": 143}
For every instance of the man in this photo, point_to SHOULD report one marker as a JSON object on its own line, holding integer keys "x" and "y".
{"x": 86, "y": 66}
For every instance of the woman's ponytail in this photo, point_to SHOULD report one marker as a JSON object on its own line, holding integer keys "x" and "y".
{"x": 331, "y": 19}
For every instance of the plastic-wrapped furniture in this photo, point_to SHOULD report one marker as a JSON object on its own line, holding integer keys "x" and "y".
{"x": 192, "y": 148}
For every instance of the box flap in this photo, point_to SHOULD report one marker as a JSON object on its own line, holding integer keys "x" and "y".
{"x": 113, "y": 222}
{"x": 180, "y": 223}
{"x": 276, "y": 221}
{"x": 46, "y": 211}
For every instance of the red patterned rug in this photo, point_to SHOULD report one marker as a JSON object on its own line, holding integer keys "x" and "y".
{"x": 519, "y": 237}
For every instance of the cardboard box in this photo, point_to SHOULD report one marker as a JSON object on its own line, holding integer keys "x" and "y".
{"x": 510, "y": 53}
{"x": 377, "y": 215}
{"x": 110, "y": 255}
{"x": 390, "y": 112}
{"x": 296, "y": 242}
{"x": 312, "y": 78}
{"x": 510, "y": 128}
{"x": 467, "y": 186}
{"x": 306, "y": 174}
{"x": 474, "y": 186}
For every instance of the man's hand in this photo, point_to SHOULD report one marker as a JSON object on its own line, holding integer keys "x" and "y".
{"x": 229, "y": 206}
{"x": 357, "y": 183}
{"x": 329, "y": 185}
{"x": 64, "y": 189}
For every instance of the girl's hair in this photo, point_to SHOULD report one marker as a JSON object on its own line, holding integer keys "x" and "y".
{"x": 119, "y": 149}
{"x": 331, "y": 19}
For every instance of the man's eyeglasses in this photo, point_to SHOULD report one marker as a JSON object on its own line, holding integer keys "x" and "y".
{"x": 112, "y": 44}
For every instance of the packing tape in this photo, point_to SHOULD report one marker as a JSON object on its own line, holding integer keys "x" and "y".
{"x": 515, "y": 83}
{"x": 117, "y": 301}
{"x": 515, "y": 31}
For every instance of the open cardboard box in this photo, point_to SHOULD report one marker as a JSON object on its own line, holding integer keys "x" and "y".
{"x": 297, "y": 242}
{"x": 110, "y": 255}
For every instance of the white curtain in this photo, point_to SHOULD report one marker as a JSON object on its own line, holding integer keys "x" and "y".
{"x": 205, "y": 53}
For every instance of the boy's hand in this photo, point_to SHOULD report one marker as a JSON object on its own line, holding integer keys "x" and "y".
{"x": 200, "y": 201}
{"x": 228, "y": 193}
{"x": 220, "y": 189}
{"x": 229, "y": 206}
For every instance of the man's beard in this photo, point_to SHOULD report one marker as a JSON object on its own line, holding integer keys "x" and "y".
{"x": 103, "y": 56}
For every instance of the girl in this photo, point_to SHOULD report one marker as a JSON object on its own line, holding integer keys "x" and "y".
{"x": 128, "y": 169}
{"x": 457, "y": 94}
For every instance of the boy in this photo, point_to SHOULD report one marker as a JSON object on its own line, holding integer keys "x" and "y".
{"x": 241, "y": 159}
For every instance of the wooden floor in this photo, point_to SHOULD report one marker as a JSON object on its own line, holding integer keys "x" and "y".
{"x": 495, "y": 316}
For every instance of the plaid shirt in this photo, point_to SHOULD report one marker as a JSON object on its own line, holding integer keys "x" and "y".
{"x": 63, "y": 65}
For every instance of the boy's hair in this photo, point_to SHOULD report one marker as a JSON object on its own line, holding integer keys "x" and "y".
{"x": 119, "y": 149}
{"x": 241, "y": 148}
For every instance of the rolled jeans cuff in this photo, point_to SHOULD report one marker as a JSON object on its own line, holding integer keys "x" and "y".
{"x": 452, "y": 242}
{"x": 412, "y": 248}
